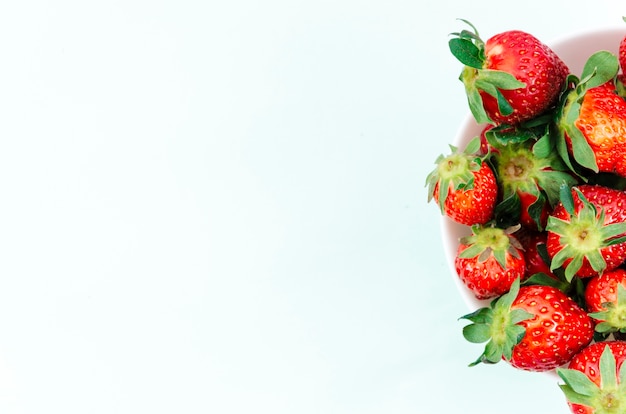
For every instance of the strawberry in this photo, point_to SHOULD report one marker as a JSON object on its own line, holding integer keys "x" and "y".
{"x": 602, "y": 120}
{"x": 464, "y": 186}
{"x": 591, "y": 120}
{"x": 584, "y": 231}
{"x": 535, "y": 252}
{"x": 594, "y": 379}
{"x": 534, "y": 328}
{"x": 510, "y": 78}
{"x": 530, "y": 176}
{"x": 605, "y": 297}
{"x": 489, "y": 260}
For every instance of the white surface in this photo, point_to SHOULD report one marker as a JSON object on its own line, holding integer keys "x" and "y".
{"x": 219, "y": 207}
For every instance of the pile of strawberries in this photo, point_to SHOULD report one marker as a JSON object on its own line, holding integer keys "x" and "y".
{"x": 543, "y": 190}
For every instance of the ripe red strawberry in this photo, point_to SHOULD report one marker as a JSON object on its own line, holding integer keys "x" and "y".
{"x": 586, "y": 232}
{"x": 602, "y": 120}
{"x": 464, "y": 186}
{"x": 605, "y": 298}
{"x": 510, "y": 78}
{"x": 620, "y": 85}
{"x": 530, "y": 175}
{"x": 591, "y": 119}
{"x": 534, "y": 328}
{"x": 489, "y": 261}
{"x": 595, "y": 379}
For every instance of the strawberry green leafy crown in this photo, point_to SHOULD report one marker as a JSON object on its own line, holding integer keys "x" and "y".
{"x": 454, "y": 171}
{"x": 613, "y": 317}
{"x": 487, "y": 241}
{"x": 498, "y": 325}
{"x": 583, "y": 236}
{"x": 607, "y": 398}
{"x": 469, "y": 49}
{"x": 527, "y": 163}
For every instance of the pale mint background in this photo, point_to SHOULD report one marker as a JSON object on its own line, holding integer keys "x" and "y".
{"x": 219, "y": 207}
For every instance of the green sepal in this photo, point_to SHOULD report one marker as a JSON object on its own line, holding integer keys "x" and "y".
{"x": 563, "y": 151}
{"x": 488, "y": 240}
{"x": 581, "y": 150}
{"x": 479, "y": 316}
{"x": 477, "y": 333}
{"x": 498, "y": 79}
{"x": 601, "y": 67}
{"x": 543, "y": 279}
{"x": 475, "y": 102}
{"x": 553, "y": 182}
{"x": 578, "y": 387}
{"x": 503, "y": 135}
{"x": 493, "y": 81}
{"x": 472, "y": 251}
{"x": 566, "y": 198}
{"x": 472, "y": 147}
{"x": 466, "y": 52}
{"x": 613, "y": 317}
{"x": 498, "y": 325}
{"x": 609, "y": 397}
{"x": 466, "y": 34}
{"x": 454, "y": 171}
{"x": 507, "y": 211}
{"x": 587, "y": 217}
{"x": 608, "y": 368}
{"x": 469, "y": 49}
{"x": 536, "y": 209}
{"x": 543, "y": 147}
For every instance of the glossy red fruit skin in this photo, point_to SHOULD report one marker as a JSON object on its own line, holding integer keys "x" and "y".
{"x": 476, "y": 205}
{"x": 602, "y": 120}
{"x": 621, "y": 54}
{"x": 530, "y": 61}
{"x": 531, "y": 240}
{"x": 485, "y": 147}
{"x": 559, "y": 330}
{"x": 526, "y": 200}
{"x": 603, "y": 289}
{"x": 487, "y": 279}
{"x": 588, "y": 362}
{"x": 614, "y": 204}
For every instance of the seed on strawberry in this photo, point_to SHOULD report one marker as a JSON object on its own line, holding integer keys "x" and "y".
{"x": 595, "y": 379}
{"x": 605, "y": 297}
{"x": 534, "y": 328}
{"x": 586, "y": 231}
{"x": 489, "y": 260}
{"x": 591, "y": 120}
{"x": 464, "y": 185}
{"x": 510, "y": 78}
